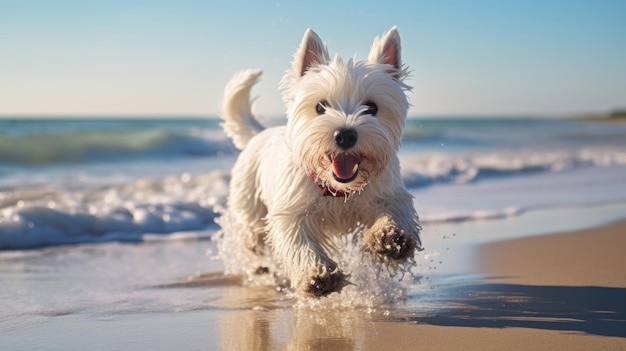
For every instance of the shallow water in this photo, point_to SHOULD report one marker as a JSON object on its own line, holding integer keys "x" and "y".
{"x": 157, "y": 294}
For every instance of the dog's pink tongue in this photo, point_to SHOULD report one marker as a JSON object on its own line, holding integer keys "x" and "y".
{"x": 345, "y": 166}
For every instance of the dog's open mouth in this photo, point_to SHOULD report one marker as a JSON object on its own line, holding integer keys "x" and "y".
{"x": 345, "y": 167}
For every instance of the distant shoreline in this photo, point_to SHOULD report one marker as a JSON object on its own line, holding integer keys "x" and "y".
{"x": 617, "y": 116}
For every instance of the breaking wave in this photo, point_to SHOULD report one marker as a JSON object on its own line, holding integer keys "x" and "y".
{"x": 137, "y": 211}
{"x": 420, "y": 172}
{"x": 111, "y": 145}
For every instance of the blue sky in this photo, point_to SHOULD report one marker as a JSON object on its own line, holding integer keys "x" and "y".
{"x": 174, "y": 57}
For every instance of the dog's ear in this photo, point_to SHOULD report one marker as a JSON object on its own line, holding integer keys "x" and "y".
{"x": 386, "y": 50}
{"x": 312, "y": 52}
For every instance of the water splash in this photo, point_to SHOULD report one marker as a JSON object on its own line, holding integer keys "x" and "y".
{"x": 372, "y": 285}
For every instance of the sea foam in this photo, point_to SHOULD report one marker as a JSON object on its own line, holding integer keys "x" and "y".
{"x": 127, "y": 212}
{"x": 439, "y": 168}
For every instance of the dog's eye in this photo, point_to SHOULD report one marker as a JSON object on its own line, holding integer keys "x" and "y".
{"x": 372, "y": 109}
{"x": 321, "y": 106}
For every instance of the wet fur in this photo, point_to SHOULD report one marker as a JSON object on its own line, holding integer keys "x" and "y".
{"x": 274, "y": 206}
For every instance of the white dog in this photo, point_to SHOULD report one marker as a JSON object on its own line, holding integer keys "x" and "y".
{"x": 332, "y": 169}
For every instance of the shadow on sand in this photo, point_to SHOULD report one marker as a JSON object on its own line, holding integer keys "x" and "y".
{"x": 260, "y": 318}
{"x": 587, "y": 309}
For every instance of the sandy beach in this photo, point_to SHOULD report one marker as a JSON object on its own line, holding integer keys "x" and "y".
{"x": 592, "y": 257}
{"x": 561, "y": 291}
{"x": 543, "y": 292}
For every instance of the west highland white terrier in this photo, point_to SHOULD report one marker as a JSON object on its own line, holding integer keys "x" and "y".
{"x": 331, "y": 170}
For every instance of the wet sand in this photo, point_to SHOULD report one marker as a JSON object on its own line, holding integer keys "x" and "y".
{"x": 560, "y": 291}
{"x": 557, "y": 291}
{"x": 563, "y": 291}
{"x": 593, "y": 257}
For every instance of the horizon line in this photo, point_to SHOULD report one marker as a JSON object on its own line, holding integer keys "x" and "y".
{"x": 76, "y": 116}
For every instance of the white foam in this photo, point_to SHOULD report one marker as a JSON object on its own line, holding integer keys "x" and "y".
{"x": 47, "y": 216}
{"x": 439, "y": 168}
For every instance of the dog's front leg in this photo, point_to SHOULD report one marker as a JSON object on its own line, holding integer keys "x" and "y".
{"x": 299, "y": 247}
{"x": 394, "y": 235}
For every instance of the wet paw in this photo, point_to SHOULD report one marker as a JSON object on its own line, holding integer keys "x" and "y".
{"x": 390, "y": 242}
{"x": 328, "y": 280}
{"x": 262, "y": 270}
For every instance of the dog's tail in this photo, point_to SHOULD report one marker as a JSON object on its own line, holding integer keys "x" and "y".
{"x": 239, "y": 122}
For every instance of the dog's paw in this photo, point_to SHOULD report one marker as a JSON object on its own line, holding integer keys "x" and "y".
{"x": 388, "y": 241}
{"x": 326, "y": 281}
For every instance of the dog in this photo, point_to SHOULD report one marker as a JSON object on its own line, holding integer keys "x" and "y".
{"x": 331, "y": 169}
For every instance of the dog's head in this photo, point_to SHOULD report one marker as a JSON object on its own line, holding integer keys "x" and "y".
{"x": 345, "y": 119}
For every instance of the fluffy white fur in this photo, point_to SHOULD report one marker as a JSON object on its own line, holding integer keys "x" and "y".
{"x": 276, "y": 205}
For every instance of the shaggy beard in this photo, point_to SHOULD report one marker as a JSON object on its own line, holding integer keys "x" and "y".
{"x": 315, "y": 149}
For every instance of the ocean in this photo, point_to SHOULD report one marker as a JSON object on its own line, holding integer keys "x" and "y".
{"x": 72, "y": 181}
{"x": 106, "y": 227}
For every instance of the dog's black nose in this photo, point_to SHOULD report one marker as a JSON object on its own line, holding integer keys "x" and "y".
{"x": 345, "y": 138}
